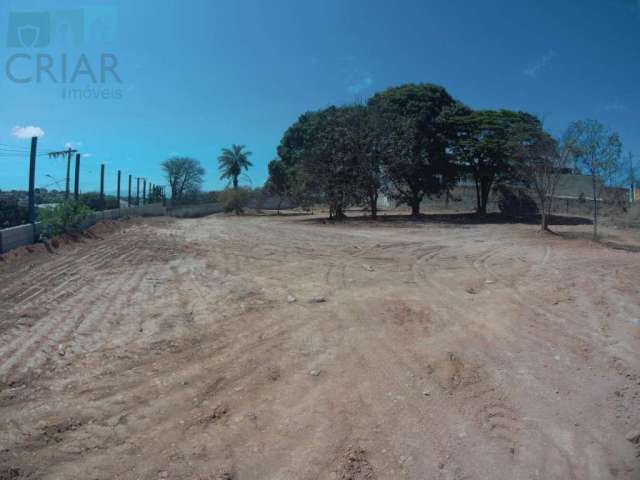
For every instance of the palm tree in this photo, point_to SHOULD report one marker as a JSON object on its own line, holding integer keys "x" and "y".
{"x": 232, "y": 162}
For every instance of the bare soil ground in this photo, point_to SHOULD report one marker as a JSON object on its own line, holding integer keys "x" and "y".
{"x": 174, "y": 349}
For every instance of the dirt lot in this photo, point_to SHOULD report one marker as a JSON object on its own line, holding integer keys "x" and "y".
{"x": 194, "y": 349}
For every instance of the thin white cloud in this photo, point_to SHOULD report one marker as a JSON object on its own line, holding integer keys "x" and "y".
{"x": 365, "y": 82}
{"x": 615, "y": 106}
{"x": 357, "y": 79}
{"x": 73, "y": 145}
{"x": 87, "y": 155}
{"x": 533, "y": 70}
{"x": 27, "y": 132}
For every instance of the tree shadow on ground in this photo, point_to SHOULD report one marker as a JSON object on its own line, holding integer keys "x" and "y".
{"x": 621, "y": 246}
{"x": 467, "y": 218}
{"x": 282, "y": 214}
{"x": 607, "y": 241}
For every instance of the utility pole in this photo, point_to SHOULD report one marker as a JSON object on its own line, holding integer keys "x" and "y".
{"x": 32, "y": 185}
{"x": 129, "y": 203}
{"x": 102, "y": 186}
{"x": 68, "y": 152}
{"x": 118, "y": 189}
{"x": 137, "y": 191}
{"x": 76, "y": 186}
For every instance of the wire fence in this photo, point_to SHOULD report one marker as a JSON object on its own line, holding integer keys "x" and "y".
{"x": 38, "y": 176}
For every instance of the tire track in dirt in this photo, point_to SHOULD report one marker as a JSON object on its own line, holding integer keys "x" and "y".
{"x": 555, "y": 324}
{"x": 50, "y": 297}
{"x": 70, "y": 313}
{"x": 431, "y": 416}
{"x": 69, "y": 265}
{"x": 37, "y": 281}
{"x": 491, "y": 408}
{"x": 77, "y": 273}
{"x": 52, "y": 266}
{"x": 34, "y": 346}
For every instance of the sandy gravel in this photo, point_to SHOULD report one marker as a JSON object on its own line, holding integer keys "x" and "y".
{"x": 194, "y": 349}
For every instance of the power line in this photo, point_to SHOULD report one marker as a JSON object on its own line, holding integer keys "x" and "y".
{"x": 14, "y": 146}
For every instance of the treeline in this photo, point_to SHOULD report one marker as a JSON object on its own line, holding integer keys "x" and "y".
{"x": 415, "y": 141}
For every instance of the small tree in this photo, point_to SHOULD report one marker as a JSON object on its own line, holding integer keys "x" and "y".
{"x": 632, "y": 175}
{"x": 597, "y": 151}
{"x": 63, "y": 216}
{"x": 539, "y": 163}
{"x": 155, "y": 195}
{"x": 235, "y": 199}
{"x": 184, "y": 175}
{"x": 232, "y": 162}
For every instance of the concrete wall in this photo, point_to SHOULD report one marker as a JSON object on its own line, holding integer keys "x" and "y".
{"x": 152, "y": 210}
{"x": 14, "y": 237}
{"x": 195, "y": 211}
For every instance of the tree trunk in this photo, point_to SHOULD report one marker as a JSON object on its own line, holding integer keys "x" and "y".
{"x": 485, "y": 189}
{"x": 235, "y": 183}
{"x": 478, "y": 202}
{"x": 544, "y": 223}
{"x": 415, "y": 208}
{"x": 373, "y": 204}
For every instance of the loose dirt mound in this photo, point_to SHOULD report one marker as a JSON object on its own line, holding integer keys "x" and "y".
{"x": 355, "y": 466}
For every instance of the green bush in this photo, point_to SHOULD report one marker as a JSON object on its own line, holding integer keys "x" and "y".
{"x": 235, "y": 200}
{"x": 12, "y": 213}
{"x": 63, "y": 216}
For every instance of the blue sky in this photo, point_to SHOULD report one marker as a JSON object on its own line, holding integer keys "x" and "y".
{"x": 197, "y": 76}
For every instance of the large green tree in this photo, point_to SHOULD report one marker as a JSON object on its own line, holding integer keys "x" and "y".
{"x": 414, "y": 141}
{"x": 322, "y": 159}
{"x": 232, "y": 162}
{"x": 484, "y": 144}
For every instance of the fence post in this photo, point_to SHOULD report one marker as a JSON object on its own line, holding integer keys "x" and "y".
{"x": 129, "y": 204}
{"x": 102, "y": 186}
{"x": 144, "y": 190}
{"x": 118, "y": 190}
{"x": 66, "y": 190}
{"x": 76, "y": 185}
{"x": 32, "y": 186}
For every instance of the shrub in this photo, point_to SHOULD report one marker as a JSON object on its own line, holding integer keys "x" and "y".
{"x": 63, "y": 216}
{"x": 516, "y": 203}
{"x": 12, "y": 213}
{"x": 235, "y": 199}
